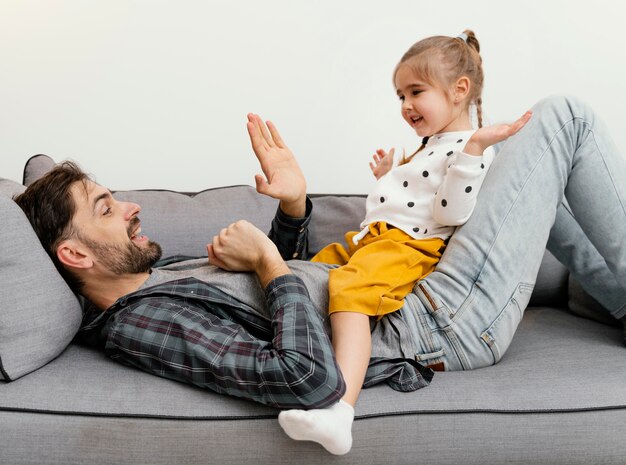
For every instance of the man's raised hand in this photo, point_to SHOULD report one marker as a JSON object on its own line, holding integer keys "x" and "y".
{"x": 282, "y": 178}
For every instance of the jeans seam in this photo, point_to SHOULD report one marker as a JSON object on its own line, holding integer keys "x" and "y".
{"x": 450, "y": 334}
{"x": 607, "y": 169}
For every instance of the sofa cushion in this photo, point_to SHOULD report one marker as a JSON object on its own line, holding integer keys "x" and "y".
{"x": 333, "y": 216}
{"x": 36, "y": 167}
{"x": 39, "y": 315}
{"x": 183, "y": 224}
{"x": 552, "y": 353}
{"x": 10, "y": 188}
{"x": 583, "y": 305}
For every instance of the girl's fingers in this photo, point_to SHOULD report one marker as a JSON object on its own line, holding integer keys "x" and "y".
{"x": 521, "y": 122}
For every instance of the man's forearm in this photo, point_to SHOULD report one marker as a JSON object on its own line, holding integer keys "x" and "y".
{"x": 306, "y": 360}
{"x": 214, "y": 341}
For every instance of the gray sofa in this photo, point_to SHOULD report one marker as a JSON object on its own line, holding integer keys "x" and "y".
{"x": 558, "y": 395}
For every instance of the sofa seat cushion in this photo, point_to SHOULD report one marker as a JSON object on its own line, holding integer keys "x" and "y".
{"x": 557, "y": 363}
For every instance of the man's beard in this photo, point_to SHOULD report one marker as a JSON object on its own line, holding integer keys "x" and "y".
{"x": 125, "y": 258}
{"x": 128, "y": 258}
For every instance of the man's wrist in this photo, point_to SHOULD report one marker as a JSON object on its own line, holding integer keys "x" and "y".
{"x": 294, "y": 209}
{"x": 270, "y": 268}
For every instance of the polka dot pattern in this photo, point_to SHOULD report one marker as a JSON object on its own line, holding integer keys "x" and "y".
{"x": 405, "y": 195}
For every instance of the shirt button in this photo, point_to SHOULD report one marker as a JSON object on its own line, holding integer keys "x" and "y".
{"x": 295, "y": 255}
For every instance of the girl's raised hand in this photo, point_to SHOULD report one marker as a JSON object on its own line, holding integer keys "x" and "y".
{"x": 491, "y": 135}
{"x": 282, "y": 178}
{"x": 382, "y": 163}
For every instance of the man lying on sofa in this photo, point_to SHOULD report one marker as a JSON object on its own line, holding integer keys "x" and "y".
{"x": 194, "y": 322}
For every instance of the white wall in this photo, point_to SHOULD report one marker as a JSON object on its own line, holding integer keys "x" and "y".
{"x": 154, "y": 93}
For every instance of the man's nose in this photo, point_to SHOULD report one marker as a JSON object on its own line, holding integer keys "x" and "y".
{"x": 130, "y": 209}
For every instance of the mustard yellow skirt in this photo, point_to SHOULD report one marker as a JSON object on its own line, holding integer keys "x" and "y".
{"x": 377, "y": 273}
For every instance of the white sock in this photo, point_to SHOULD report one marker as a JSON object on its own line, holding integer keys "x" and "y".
{"x": 331, "y": 427}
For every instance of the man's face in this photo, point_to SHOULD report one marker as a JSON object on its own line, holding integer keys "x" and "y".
{"x": 111, "y": 231}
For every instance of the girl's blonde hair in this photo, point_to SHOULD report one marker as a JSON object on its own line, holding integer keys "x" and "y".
{"x": 441, "y": 61}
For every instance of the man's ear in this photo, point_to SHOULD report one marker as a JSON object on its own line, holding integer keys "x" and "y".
{"x": 73, "y": 254}
{"x": 461, "y": 89}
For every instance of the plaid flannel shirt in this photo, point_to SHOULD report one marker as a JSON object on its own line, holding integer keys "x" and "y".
{"x": 190, "y": 331}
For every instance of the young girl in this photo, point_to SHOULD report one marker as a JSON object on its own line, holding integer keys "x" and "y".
{"x": 412, "y": 211}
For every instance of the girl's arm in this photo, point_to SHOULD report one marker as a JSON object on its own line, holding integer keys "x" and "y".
{"x": 456, "y": 197}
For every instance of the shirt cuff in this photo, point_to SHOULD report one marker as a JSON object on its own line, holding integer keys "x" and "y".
{"x": 295, "y": 223}
{"x": 284, "y": 290}
{"x": 465, "y": 159}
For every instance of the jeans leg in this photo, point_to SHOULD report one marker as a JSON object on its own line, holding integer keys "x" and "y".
{"x": 569, "y": 244}
{"x": 478, "y": 293}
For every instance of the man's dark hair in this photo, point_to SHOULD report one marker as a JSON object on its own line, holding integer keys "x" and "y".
{"x": 49, "y": 206}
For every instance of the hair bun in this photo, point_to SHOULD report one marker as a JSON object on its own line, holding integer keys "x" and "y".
{"x": 471, "y": 40}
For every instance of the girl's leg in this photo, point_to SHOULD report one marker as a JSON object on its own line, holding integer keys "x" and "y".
{"x": 375, "y": 282}
{"x": 477, "y": 294}
{"x": 332, "y": 427}
{"x": 352, "y": 342}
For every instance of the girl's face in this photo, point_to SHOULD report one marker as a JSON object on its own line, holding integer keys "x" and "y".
{"x": 427, "y": 109}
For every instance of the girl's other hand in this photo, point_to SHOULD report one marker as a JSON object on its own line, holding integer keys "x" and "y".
{"x": 382, "y": 163}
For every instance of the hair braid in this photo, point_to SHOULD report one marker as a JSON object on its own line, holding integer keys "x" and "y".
{"x": 479, "y": 111}
{"x": 406, "y": 159}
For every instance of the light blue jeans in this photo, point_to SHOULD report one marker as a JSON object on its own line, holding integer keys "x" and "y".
{"x": 560, "y": 181}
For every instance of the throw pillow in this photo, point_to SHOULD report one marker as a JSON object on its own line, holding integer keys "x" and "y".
{"x": 39, "y": 315}
{"x": 36, "y": 167}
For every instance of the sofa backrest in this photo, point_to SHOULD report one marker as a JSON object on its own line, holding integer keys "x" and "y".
{"x": 184, "y": 223}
